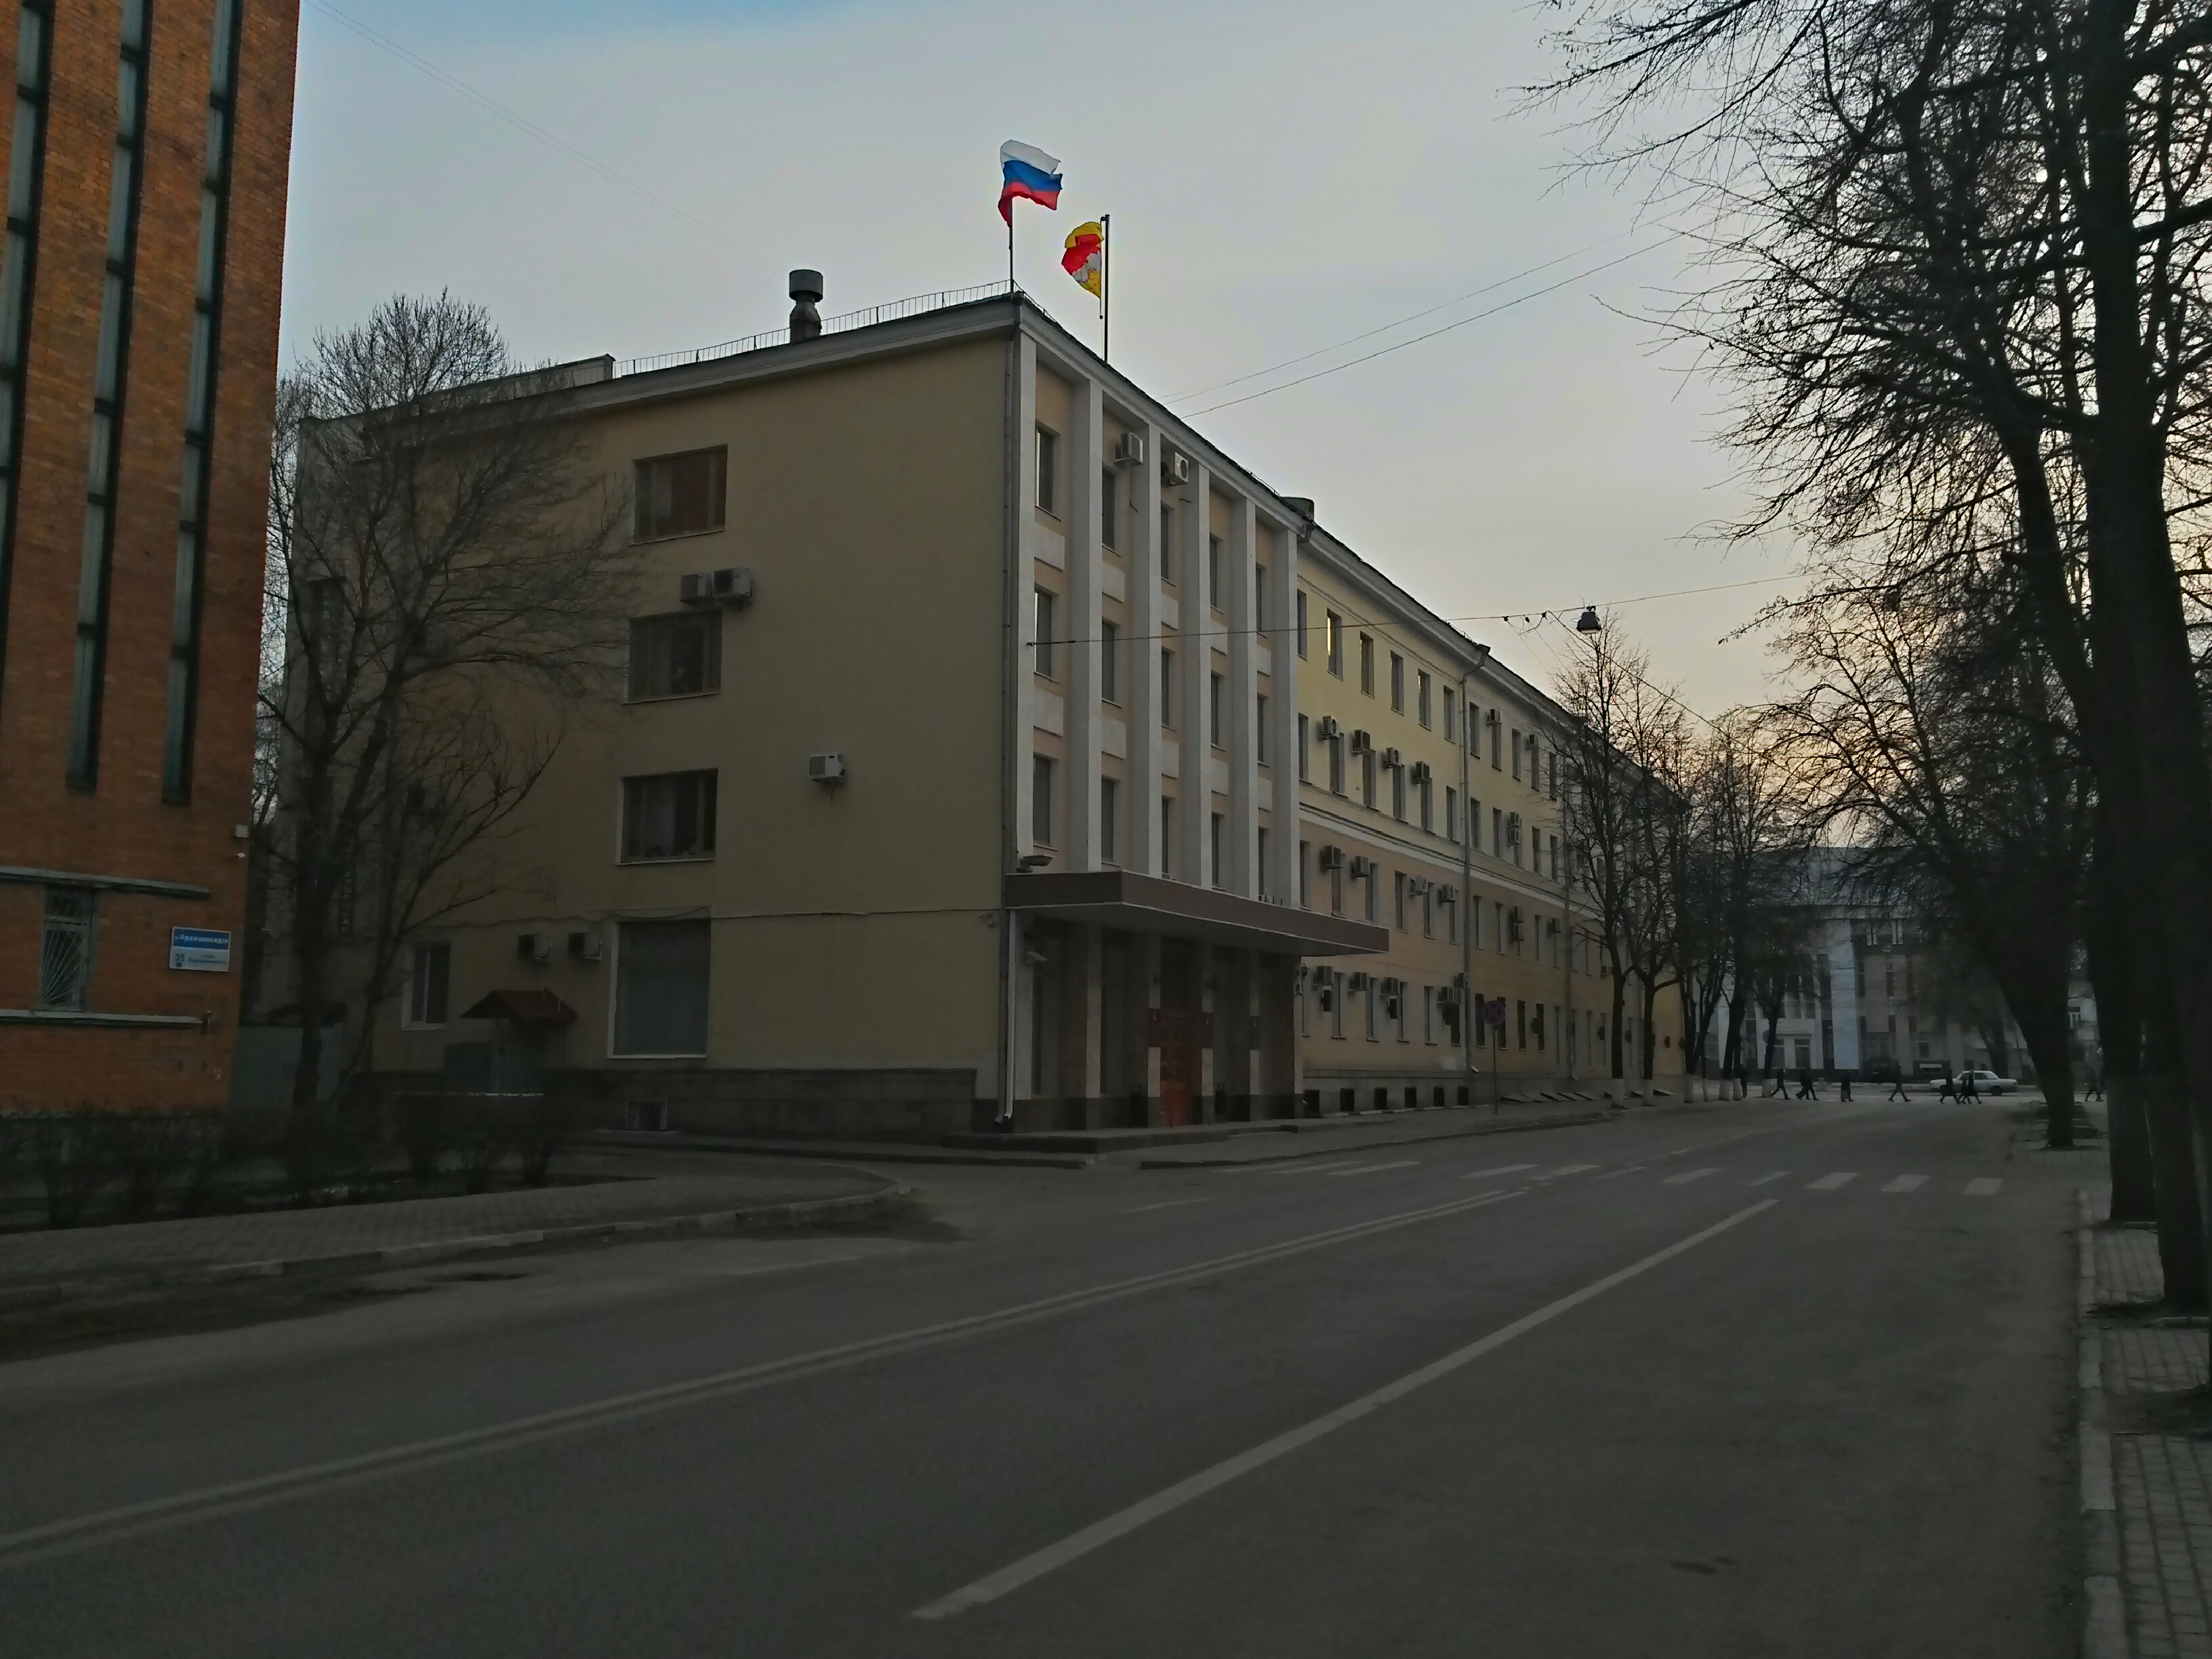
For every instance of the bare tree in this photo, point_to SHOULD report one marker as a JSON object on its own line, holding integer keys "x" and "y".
{"x": 448, "y": 572}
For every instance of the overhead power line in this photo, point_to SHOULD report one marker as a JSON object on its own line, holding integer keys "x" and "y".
{"x": 521, "y": 122}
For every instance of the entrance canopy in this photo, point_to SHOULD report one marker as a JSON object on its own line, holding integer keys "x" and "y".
{"x": 1147, "y": 904}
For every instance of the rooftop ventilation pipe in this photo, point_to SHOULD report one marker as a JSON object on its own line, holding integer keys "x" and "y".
{"x": 805, "y": 294}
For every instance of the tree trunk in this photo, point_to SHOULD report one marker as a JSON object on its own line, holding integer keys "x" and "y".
{"x": 2112, "y": 959}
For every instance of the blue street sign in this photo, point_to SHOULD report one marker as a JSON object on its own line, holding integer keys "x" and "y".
{"x": 199, "y": 950}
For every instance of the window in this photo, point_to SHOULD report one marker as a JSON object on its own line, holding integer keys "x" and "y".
{"x": 1167, "y": 542}
{"x": 1398, "y": 793}
{"x": 1047, "y": 471}
{"x": 1110, "y": 821}
{"x": 1259, "y": 599}
{"x": 1367, "y": 663}
{"x": 1333, "y": 642}
{"x": 1552, "y": 775}
{"x": 1421, "y": 697}
{"x": 1259, "y": 731}
{"x": 1497, "y": 832}
{"x": 1428, "y": 804}
{"x": 660, "y": 987}
{"x": 1167, "y": 686}
{"x": 1215, "y": 734}
{"x": 1301, "y": 603}
{"x": 1516, "y": 753}
{"x": 1497, "y": 738}
{"x": 429, "y": 985}
{"x": 1336, "y": 888}
{"x": 670, "y": 815}
{"x": 1451, "y": 813}
{"x": 1260, "y": 876}
{"x": 1374, "y": 884}
{"x": 1214, "y": 849}
{"x": 1336, "y": 765}
{"x": 1110, "y": 508}
{"x": 66, "y": 950}
{"x": 680, "y": 494}
{"x": 1428, "y": 1013}
{"x": 1367, "y": 776}
{"x": 1306, "y": 763}
{"x": 1398, "y": 901}
{"x": 1167, "y": 834}
{"x": 678, "y": 655}
{"x": 1451, "y": 717}
{"x": 1213, "y": 573}
{"x": 26, "y": 177}
{"x": 1040, "y": 771}
{"x": 1110, "y": 662}
{"x": 1397, "y": 682}
{"x": 1044, "y": 635}
{"x": 1305, "y": 875}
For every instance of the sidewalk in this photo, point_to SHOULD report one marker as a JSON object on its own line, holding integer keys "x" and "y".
{"x": 639, "y": 1193}
{"x": 1319, "y": 1137}
{"x": 2146, "y": 1495}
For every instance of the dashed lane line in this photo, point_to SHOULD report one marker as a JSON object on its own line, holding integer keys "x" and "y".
{"x": 1312, "y": 1169}
{"x": 1166, "y": 1204}
{"x": 1687, "y": 1176}
{"x": 1502, "y": 1169}
{"x": 1377, "y": 1168}
{"x": 1077, "y": 1544}
{"x": 1770, "y": 1175}
{"x": 1828, "y": 1183}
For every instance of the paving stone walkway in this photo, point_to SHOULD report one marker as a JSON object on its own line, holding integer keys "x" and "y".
{"x": 641, "y": 1189}
{"x": 2161, "y": 1483}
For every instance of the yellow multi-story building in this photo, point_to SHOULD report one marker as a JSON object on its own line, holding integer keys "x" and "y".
{"x": 995, "y": 748}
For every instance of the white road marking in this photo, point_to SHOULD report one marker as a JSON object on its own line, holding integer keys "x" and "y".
{"x": 1502, "y": 1169}
{"x": 1905, "y": 1184}
{"x": 1828, "y": 1183}
{"x": 1377, "y": 1169}
{"x": 1984, "y": 1187}
{"x": 1315, "y": 1168}
{"x": 1565, "y": 1170}
{"x": 114, "y": 1525}
{"x": 1686, "y": 1177}
{"x": 1078, "y": 1544}
{"x": 1772, "y": 1174}
{"x": 1166, "y": 1204}
{"x": 1629, "y": 1169}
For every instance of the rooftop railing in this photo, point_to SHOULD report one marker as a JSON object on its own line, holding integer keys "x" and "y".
{"x": 852, "y": 320}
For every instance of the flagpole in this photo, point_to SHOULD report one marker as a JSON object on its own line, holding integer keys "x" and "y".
{"x": 1010, "y": 247}
{"x": 1106, "y": 286}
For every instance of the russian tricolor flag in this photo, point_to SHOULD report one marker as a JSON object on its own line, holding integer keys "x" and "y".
{"x": 1030, "y": 174}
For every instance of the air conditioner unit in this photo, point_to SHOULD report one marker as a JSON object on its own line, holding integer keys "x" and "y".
{"x": 1174, "y": 468}
{"x": 1332, "y": 858}
{"x": 826, "y": 769}
{"x": 696, "y": 587}
{"x": 1328, "y": 987}
{"x": 1361, "y": 982}
{"x": 1362, "y": 868}
{"x": 1361, "y": 742}
{"x": 1421, "y": 772}
{"x": 1447, "y": 894}
{"x": 1392, "y": 759}
{"x": 585, "y": 947}
{"x": 1328, "y": 730}
{"x": 1418, "y": 885}
{"x": 533, "y": 947}
{"x": 1129, "y": 449}
{"x": 1513, "y": 927}
{"x": 733, "y": 586}
{"x": 1512, "y": 829}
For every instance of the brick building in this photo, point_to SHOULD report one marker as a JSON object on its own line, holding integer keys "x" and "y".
{"x": 146, "y": 168}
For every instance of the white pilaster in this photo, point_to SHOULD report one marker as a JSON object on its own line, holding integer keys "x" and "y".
{"x": 1283, "y": 710}
{"x": 1085, "y": 720}
{"x": 1024, "y": 631}
{"x": 1194, "y": 664}
{"x": 1141, "y": 672}
{"x": 1244, "y": 691}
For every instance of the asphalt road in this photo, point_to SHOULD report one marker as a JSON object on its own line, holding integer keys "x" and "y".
{"x": 1664, "y": 1386}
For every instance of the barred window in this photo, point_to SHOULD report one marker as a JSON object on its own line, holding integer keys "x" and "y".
{"x": 66, "y": 950}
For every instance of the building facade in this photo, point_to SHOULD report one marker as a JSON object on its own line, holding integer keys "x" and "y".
{"x": 997, "y": 748}
{"x": 147, "y": 165}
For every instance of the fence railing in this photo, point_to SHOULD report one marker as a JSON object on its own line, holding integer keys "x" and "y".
{"x": 889, "y": 312}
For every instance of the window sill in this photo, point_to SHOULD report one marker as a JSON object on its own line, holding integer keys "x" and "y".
{"x": 679, "y": 858}
{"x": 678, "y": 535}
{"x": 673, "y": 696}
{"x": 85, "y": 1017}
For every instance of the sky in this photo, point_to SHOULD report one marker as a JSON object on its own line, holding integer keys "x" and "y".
{"x": 1284, "y": 178}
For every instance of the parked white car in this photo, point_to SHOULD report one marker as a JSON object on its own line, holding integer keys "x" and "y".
{"x": 1985, "y": 1083}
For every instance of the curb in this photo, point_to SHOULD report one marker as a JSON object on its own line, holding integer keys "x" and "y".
{"x": 1573, "y": 1121}
{"x": 855, "y": 1155}
{"x": 2104, "y": 1618}
{"x": 795, "y": 1214}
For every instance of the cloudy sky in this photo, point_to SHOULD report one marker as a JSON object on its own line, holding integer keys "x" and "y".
{"x": 1285, "y": 178}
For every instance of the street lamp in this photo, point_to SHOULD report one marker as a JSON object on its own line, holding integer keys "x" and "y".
{"x": 1588, "y": 621}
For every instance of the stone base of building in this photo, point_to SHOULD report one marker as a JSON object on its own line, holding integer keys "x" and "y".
{"x": 887, "y": 1103}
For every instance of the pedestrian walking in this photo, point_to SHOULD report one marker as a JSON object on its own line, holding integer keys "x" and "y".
{"x": 1943, "y": 1089}
{"x": 1805, "y": 1083}
{"x": 2096, "y": 1086}
{"x": 1897, "y": 1084}
{"x": 1967, "y": 1090}
{"x": 1845, "y": 1093}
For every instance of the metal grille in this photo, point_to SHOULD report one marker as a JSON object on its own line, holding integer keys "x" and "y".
{"x": 66, "y": 950}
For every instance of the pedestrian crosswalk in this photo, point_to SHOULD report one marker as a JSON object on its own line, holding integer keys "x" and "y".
{"x": 1535, "y": 1175}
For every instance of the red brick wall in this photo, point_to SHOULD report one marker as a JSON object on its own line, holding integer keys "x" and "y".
{"x": 123, "y": 827}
